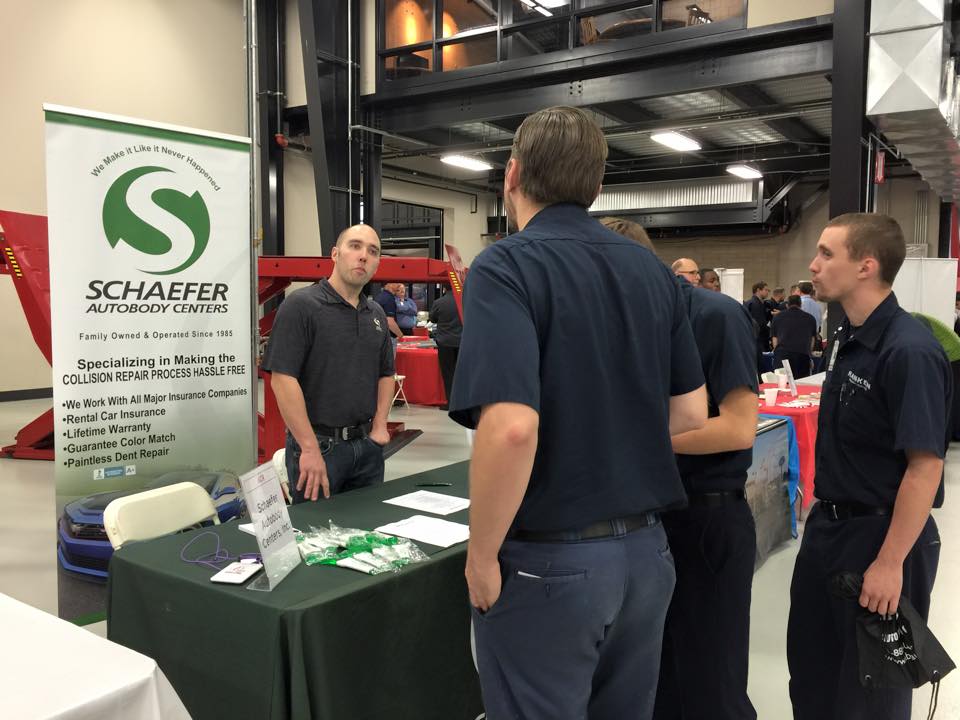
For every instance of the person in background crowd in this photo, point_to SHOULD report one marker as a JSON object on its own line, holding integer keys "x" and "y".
{"x": 706, "y": 640}
{"x": 332, "y": 373}
{"x": 956, "y": 315}
{"x": 387, "y": 299}
{"x": 794, "y": 290}
{"x": 777, "y": 303}
{"x": 881, "y": 439}
{"x": 568, "y": 568}
{"x": 686, "y": 269}
{"x": 808, "y": 304}
{"x": 757, "y": 307}
{"x": 710, "y": 279}
{"x": 406, "y": 310}
{"x": 794, "y": 333}
{"x": 447, "y": 336}
{"x": 628, "y": 229}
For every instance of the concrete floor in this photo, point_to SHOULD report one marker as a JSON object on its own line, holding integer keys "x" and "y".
{"x": 28, "y": 567}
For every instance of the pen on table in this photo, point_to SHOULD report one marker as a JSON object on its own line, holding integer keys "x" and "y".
{"x": 435, "y": 484}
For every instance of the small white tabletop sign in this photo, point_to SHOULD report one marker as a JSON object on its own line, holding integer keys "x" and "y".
{"x": 790, "y": 379}
{"x": 271, "y": 524}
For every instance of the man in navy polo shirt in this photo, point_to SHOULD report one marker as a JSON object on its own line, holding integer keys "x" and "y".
{"x": 576, "y": 366}
{"x": 794, "y": 334}
{"x": 881, "y": 440}
{"x": 706, "y": 643}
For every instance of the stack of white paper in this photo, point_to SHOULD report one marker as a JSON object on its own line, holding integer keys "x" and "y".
{"x": 432, "y": 531}
{"x": 431, "y": 502}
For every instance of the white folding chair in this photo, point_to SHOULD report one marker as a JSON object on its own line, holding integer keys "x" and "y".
{"x": 280, "y": 466}
{"x": 399, "y": 393}
{"x": 154, "y": 513}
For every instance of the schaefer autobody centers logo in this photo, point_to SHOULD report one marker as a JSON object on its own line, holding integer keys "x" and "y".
{"x": 157, "y": 222}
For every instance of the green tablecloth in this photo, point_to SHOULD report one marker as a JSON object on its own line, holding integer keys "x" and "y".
{"x": 327, "y": 643}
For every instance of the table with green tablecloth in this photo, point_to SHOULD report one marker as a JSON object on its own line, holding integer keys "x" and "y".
{"x": 327, "y": 643}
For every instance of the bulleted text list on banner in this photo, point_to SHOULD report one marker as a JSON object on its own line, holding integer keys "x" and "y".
{"x": 150, "y": 293}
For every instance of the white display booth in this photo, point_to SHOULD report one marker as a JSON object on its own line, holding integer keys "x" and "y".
{"x": 928, "y": 286}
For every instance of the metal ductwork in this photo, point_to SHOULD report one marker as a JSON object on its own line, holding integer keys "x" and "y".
{"x": 687, "y": 203}
{"x": 912, "y": 88}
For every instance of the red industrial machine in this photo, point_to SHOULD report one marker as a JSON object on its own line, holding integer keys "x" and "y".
{"x": 24, "y": 256}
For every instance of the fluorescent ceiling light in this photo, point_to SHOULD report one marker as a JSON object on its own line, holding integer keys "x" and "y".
{"x": 747, "y": 172}
{"x": 467, "y": 163}
{"x": 553, "y": 3}
{"x": 543, "y": 11}
{"x": 529, "y": 3}
{"x": 676, "y": 141}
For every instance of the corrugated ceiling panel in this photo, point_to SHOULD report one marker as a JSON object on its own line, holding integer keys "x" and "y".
{"x": 639, "y": 144}
{"x": 798, "y": 90}
{"x": 688, "y": 104}
{"x": 480, "y": 131}
{"x": 745, "y": 133}
{"x": 820, "y": 121}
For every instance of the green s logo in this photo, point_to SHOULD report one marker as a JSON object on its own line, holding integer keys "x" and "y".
{"x": 120, "y": 223}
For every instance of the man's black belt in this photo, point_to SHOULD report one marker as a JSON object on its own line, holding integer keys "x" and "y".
{"x": 352, "y": 432}
{"x": 845, "y": 511}
{"x": 595, "y": 531}
{"x": 716, "y": 498}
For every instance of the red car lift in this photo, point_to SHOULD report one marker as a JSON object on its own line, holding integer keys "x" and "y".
{"x": 24, "y": 256}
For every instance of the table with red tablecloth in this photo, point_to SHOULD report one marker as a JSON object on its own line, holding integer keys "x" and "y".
{"x": 805, "y": 424}
{"x": 423, "y": 384}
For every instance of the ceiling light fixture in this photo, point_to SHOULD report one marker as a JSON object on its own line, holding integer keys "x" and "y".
{"x": 467, "y": 163}
{"x": 676, "y": 141}
{"x": 747, "y": 172}
{"x": 543, "y": 11}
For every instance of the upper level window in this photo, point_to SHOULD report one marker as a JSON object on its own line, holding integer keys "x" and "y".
{"x": 421, "y": 37}
{"x": 408, "y": 22}
{"x": 684, "y": 13}
{"x": 461, "y": 16}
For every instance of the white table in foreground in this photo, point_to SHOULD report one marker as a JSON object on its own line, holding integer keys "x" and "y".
{"x": 50, "y": 668}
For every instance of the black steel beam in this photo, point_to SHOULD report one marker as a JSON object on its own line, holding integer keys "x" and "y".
{"x": 321, "y": 169}
{"x": 436, "y": 181}
{"x": 372, "y": 158}
{"x": 946, "y": 227}
{"x": 668, "y": 79}
{"x": 848, "y": 156}
{"x": 779, "y": 158}
{"x": 784, "y": 190}
{"x": 625, "y": 112}
{"x": 596, "y": 60}
{"x": 508, "y": 124}
{"x": 270, "y": 102}
{"x": 693, "y": 218}
{"x": 735, "y": 117}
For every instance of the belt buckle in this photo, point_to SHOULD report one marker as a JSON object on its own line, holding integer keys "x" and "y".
{"x": 344, "y": 434}
{"x": 832, "y": 512}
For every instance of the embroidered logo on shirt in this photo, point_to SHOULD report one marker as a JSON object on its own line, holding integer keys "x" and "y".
{"x": 857, "y": 380}
{"x": 376, "y": 321}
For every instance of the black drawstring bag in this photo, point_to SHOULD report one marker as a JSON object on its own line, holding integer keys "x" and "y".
{"x": 897, "y": 651}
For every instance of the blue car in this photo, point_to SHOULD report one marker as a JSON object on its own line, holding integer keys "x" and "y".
{"x": 82, "y": 544}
